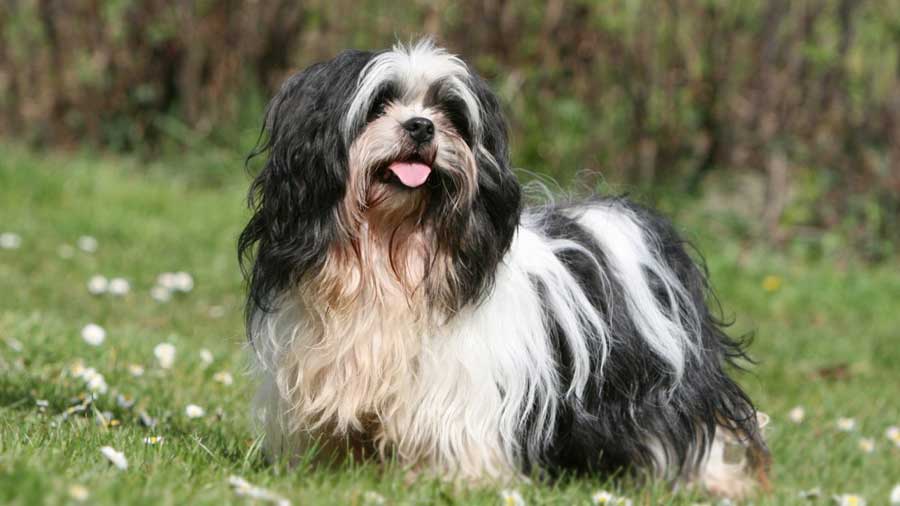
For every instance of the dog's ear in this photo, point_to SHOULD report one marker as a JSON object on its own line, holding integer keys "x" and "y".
{"x": 487, "y": 233}
{"x": 497, "y": 183}
{"x": 295, "y": 195}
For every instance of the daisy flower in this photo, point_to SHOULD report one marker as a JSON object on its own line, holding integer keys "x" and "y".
{"x": 78, "y": 492}
{"x": 895, "y": 495}
{"x": 97, "y": 285}
{"x": 136, "y": 370}
{"x": 223, "y": 377}
{"x": 242, "y": 487}
{"x": 512, "y": 498}
{"x": 160, "y": 293}
{"x": 119, "y": 286}
{"x": 182, "y": 282}
{"x": 165, "y": 355}
{"x": 846, "y": 424}
{"x": 206, "y": 356}
{"x": 893, "y": 433}
{"x": 9, "y": 240}
{"x": 94, "y": 381}
{"x": 87, "y": 244}
{"x": 867, "y": 445}
{"x": 146, "y": 420}
{"x": 93, "y": 334}
{"x": 124, "y": 401}
{"x": 115, "y": 457}
{"x": 811, "y": 494}
{"x": 850, "y": 500}
{"x": 602, "y": 498}
{"x": 76, "y": 368}
{"x": 154, "y": 440}
{"x": 194, "y": 411}
{"x": 166, "y": 280}
{"x": 372, "y": 498}
{"x": 797, "y": 414}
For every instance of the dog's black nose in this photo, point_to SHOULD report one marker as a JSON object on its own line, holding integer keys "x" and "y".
{"x": 420, "y": 129}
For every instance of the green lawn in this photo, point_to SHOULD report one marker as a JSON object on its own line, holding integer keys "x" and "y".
{"x": 827, "y": 338}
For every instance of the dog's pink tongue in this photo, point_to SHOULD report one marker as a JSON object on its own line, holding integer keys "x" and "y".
{"x": 411, "y": 174}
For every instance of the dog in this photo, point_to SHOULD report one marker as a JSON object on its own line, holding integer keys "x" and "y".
{"x": 404, "y": 304}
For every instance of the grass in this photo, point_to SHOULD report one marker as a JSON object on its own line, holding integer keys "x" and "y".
{"x": 828, "y": 339}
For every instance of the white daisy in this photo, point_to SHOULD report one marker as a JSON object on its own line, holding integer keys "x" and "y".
{"x": 124, "y": 401}
{"x": 194, "y": 411}
{"x": 10, "y": 240}
{"x": 160, "y": 293}
{"x": 223, "y": 377}
{"x": 93, "y": 334}
{"x": 97, "y": 285}
{"x": 119, "y": 286}
{"x": 371, "y": 498}
{"x": 78, "y": 492}
{"x": 183, "y": 282}
{"x": 87, "y": 244}
{"x": 797, "y": 414}
{"x": 866, "y": 445}
{"x": 846, "y": 424}
{"x": 811, "y": 494}
{"x": 165, "y": 354}
{"x": 96, "y": 383}
{"x": 206, "y": 356}
{"x": 895, "y": 495}
{"x": 115, "y": 457}
{"x": 166, "y": 280}
{"x": 136, "y": 370}
{"x": 154, "y": 440}
{"x": 243, "y": 488}
{"x": 850, "y": 500}
{"x": 77, "y": 368}
{"x": 893, "y": 433}
{"x": 512, "y": 498}
{"x": 602, "y": 498}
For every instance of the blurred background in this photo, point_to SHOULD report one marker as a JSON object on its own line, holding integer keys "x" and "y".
{"x": 781, "y": 117}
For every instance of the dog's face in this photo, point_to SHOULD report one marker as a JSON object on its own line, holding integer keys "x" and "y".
{"x": 400, "y": 154}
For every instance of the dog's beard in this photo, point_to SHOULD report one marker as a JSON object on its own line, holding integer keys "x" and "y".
{"x": 391, "y": 233}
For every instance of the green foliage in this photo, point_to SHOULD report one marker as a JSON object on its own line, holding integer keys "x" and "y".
{"x": 637, "y": 92}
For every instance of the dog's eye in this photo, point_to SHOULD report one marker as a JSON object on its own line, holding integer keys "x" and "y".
{"x": 377, "y": 110}
{"x": 455, "y": 110}
{"x": 380, "y": 103}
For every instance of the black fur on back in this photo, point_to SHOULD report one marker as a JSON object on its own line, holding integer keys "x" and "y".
{"x": 635, "y": 399}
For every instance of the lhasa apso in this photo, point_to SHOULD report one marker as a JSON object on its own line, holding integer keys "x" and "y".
{"x": 404, "y": 304}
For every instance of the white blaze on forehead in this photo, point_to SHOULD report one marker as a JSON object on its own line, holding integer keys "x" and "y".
{"x": 412, "y": 69}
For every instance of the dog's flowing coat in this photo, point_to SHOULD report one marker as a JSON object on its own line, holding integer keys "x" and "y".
{"x": 445, "y": 325}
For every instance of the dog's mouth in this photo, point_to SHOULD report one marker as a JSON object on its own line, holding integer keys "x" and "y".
{"x": 410, "y": 172}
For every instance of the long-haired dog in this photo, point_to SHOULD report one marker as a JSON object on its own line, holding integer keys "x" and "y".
{"x": 402, "y": 303}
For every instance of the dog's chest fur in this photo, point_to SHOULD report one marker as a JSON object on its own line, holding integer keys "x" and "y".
{"x": 355, "y": 363}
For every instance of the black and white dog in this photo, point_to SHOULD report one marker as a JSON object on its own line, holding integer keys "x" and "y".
{"x": 402, "y": 303}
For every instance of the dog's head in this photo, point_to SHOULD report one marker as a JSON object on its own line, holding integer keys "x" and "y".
{"x": 396, "y": 157}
